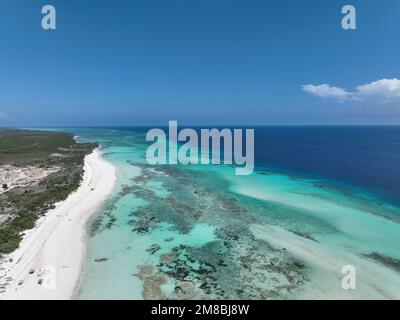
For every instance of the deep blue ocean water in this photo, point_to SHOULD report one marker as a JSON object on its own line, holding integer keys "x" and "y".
{"x": 368, "y": 157}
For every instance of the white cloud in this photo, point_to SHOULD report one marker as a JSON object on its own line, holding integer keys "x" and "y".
{"x": 327, "y": 91}
{"x": 384, "y": 90}
{"x": 3, "y": 115}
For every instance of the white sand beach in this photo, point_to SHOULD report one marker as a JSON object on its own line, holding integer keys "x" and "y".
{"x": 48, "y": 263}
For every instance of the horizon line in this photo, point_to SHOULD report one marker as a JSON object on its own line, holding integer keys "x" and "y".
{"x": 198, "y": 125}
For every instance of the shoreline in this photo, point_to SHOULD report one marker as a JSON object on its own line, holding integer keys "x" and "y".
{"x": 49, "y": 260}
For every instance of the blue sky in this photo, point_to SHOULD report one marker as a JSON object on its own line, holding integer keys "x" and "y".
{"x": 199, "y": 62}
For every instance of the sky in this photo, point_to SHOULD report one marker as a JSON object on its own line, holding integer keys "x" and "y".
{"x": 238, "y": 62}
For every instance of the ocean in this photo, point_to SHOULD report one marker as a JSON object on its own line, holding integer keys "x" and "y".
{"x": 320, "y": 199}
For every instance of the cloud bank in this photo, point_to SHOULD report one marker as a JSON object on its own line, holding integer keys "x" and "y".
{"x": 384, "y": 90}
{"x": 327, "y": 91}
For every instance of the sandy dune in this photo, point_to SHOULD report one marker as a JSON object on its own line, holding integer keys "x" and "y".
{"x": 23, "y": 176}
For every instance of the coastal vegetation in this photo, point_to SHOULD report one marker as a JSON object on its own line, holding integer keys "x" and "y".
{"x": 54, "y": 161}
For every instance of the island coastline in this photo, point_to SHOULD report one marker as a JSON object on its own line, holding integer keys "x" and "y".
{"x": 48, "y": 262}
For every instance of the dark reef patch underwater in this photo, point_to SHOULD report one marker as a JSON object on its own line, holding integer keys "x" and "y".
{"x": 233, "y": 266}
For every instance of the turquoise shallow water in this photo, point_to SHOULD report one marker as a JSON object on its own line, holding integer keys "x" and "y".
{"x": 186, "y": 232}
